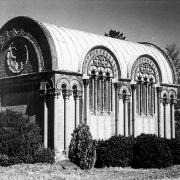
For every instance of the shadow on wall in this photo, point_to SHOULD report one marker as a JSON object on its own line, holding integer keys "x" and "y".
{"x": 28, "y": 103}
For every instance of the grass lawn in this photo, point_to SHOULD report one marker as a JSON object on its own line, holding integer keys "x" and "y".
{"x": 66, "y": 170}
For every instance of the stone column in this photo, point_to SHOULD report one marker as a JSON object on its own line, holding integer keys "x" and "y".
{"x": 126, "y": 114}
{"x": 133, "y": 88}
{"x": 111, "y": 94}
{"x": 158, "y": 89}
{"x": 85, "y": 83}
{"x": 107, "y": 95}
{"x": 95, "y": 94}
{"x": 92, "y": 97}
{"x": 66, "y": 93}
{"x": 103, "y": 93}
{"x": 172, "y": 102}
{"x": 43, "y": 91}
{"x": 45, "y": 124}
{"x": 77, "y": 96}
{"x": 146, "y": 97}
{"x": 100, "y": 95}
{"x": 52, "y": 116}
{"x": 165, "y": 103}
{"x": 139, "y": 97}
{"x": 116, "y": 109}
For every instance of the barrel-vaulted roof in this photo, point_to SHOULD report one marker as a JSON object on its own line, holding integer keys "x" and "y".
{"x": 69, "y": 47}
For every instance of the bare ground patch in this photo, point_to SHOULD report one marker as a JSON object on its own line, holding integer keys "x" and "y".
{"x": 66, "y": 170}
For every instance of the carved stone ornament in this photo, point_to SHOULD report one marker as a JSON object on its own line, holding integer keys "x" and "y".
{"x": 54, "y": 92}
{"x": 17, "y": 51}
{"x": 99, "y": 60}
{"x": 77, "y": 94}
{"x": 17, "y": 56}
{"x": 66, "y": 93}
{"x": 8, "y": 35}
{"x": 145, "y": 69}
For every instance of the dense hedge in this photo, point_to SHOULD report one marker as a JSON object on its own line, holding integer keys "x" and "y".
{"x": 144, "y": 151}
{"x": 20, "y": 140}
{"x": 116, "y": 151}
{"x": 82, "y": 148}
{"x": 151, "y": 152}
{"x": 174, "y": 145}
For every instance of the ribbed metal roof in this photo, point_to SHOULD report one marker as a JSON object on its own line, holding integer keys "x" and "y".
{"x": 72, "y": 47}
{"x": 67, "y": 48}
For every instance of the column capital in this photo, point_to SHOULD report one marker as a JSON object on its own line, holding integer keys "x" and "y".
{"x": 42, "y": 93}
{"x": 159, "y": 89}
{"x": 116, "y": 85}
{"x": 173, "y": 101}
{"x": 85, "y": 82}
{"x": 165, "y": 101}
{"x": 77, "y": 94}
{"x": 54, "y": 92}
{"x": 126, "y": 98}
{"x": 43, "y": 88}
{"x": 66, "y": 93}
{"x": 133, "y": 86}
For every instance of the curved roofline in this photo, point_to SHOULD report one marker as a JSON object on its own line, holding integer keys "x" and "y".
{"x": 65, "y": 49}
{"x": 39, "y": 25}
{"x": 170, "y": 62}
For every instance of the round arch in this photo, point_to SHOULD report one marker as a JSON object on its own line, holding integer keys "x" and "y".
{"x": 108, "y": 56}
{"x": 31, "y": 29}
{"x": 152, "y": 66}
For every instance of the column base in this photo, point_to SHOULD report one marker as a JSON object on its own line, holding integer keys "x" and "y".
{"x": 61, "y": 156}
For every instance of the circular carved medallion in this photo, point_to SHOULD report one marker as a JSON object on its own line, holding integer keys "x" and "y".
{"x": 16, "y": 56}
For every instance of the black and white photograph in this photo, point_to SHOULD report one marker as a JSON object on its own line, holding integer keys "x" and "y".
{"x": 89, "y": 89}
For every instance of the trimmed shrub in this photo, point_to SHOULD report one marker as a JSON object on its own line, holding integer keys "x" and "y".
{"x": 20, "y": 140}
{"x": 44, "y": 155}
{"x": 82, "y": 148}
{"x": 151, "y": 152}
{"x": 116, "y": 151}
{"x": 4, "y": 160}
{"x": 174, "y": 145}
{"x": 7, "y": 161}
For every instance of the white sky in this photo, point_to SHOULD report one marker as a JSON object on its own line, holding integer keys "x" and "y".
{"x": 156, "y": 21}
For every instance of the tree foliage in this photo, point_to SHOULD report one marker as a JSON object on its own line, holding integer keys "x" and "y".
{"x": 21, "y": 141}
{"x": 115, "y": 34}
{"x": 173, "y": 53}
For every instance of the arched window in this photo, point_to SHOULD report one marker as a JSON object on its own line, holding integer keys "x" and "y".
{"x": 101, "y": 70}
{"x": 146, "y": 76}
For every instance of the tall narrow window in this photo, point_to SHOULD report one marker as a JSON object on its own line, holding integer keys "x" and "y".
{"x": 102, "y": 69}
{"x": 146, "y": 76}
{"x": 100, "y": 87}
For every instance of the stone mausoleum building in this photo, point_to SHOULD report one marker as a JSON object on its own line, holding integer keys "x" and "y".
{"x": 60, "y": 77}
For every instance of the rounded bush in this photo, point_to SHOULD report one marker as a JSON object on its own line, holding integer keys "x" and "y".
{"x": 151, "y": 152}
{"x": 116, "y": 151}
{"x": 82, "y": 148}
{"x": 20, "y": 139}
